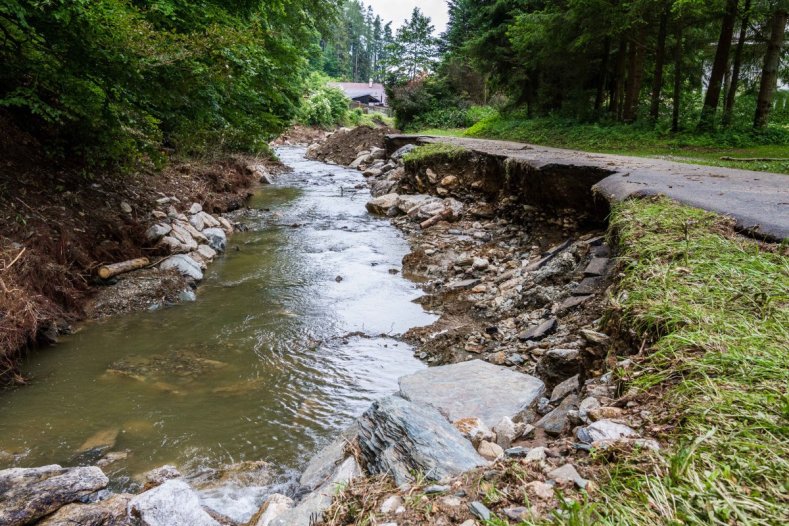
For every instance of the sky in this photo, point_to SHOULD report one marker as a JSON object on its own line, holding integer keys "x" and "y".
{"x": 397, "y": 11}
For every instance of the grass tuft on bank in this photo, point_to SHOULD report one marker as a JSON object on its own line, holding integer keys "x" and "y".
{"x": 431, "y": 151}
{"x": 640, "y": 141}
{"x": 715, "y": 308}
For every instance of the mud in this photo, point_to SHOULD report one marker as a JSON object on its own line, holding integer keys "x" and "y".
{"x": 343, "y": 146}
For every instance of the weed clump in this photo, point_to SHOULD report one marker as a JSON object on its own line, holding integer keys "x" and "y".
{"x": 434, "y": 151}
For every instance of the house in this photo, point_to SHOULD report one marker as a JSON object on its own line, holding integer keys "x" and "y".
{"x": 369, "y": 94}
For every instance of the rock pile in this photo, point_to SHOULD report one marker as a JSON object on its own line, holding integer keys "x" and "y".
{"x": 192, "y": 236}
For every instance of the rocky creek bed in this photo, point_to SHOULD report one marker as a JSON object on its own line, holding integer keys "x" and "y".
{"x": 520, "y": 376}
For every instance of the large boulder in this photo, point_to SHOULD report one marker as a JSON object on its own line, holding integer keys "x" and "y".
{"x": 173, "y": 503}
{"x": 185, "y": 265}
{"x": 29, "y": 494}
{"x": 382, "y": 187}
{"x": 399, "y": 438}
{"x": 474, "y": 389}
{"x": 183, "y": 235}
{"x": 110, "y": 512}
{"x": 383, "y": 205}
{"x": 217, "y": 239}
{"x": 407, "y": 204}
{"x": 202, "y": 220}
{"x": 157, "y": 232}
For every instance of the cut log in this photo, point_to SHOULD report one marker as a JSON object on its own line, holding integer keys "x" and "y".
{"x": 108, "y": 271}
{"x": 444, "y": 214}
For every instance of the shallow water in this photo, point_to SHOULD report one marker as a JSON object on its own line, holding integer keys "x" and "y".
{"x": 260, "y": 367}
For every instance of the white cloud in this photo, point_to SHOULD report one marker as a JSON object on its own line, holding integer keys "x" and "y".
{"x": 399, "y": 11}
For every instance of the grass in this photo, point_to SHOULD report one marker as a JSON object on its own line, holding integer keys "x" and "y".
{"x": 430, "y": 151}
{"x": 373, "y": 119}
{"x": 716, "y": 309}
{"x": 623, "y": 139}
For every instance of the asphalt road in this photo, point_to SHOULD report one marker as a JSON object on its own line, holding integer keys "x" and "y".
{"x": 757, "y": 201}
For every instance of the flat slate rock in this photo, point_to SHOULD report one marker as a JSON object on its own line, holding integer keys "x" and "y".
{"x": 571, "y": 302}
{"x": 323, "y": 465}
{"x": 473, "y": 389}
{"x": 556, "y": 422}
{"x": 588, "y": 286}
{"x": 463, "y": 284}
{"x": 596, "y": 267}
{"x": 398, "y": 438}
{"x": 538, "y": 332}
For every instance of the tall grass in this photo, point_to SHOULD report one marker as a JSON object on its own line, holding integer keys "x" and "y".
{"x": 716, "y": 307}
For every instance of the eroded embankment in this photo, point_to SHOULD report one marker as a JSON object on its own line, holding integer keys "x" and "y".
{"x": 519, "y": 278}
{"x": 601, "y": 443}
{"x": 60, "y": 224}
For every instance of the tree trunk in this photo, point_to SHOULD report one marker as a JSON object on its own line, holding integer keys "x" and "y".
{"x": 677, "y": 96}
{"x": 603, "y": 80}
{"x": 660, "y": 54}
{"x": 728, "y": 105}
{"x": 618, "y": 84}
{"x": 635, "y": 76}
{"x": 772, "y": 60}
{"x": 719, "y": 66}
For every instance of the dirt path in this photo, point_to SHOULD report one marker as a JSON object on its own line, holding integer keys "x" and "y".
{"x": 758, "y": 201}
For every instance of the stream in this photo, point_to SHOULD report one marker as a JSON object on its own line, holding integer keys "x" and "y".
{"x": 290, "y": 338}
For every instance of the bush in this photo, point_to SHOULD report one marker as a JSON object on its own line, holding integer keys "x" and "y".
{"x": 429, "y": 103}
{"x": 324, "y": 105}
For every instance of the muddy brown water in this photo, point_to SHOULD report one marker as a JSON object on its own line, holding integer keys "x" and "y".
{"x": 260, "y": 367}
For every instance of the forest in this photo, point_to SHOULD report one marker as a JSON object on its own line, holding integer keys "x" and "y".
{"x": 671, "y": 64}
{"x": 116, "y": 83}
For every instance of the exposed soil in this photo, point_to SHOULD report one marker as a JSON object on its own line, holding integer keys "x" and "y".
{"x": 301, "y": 135}
{"x": 344, "y": 145}
{"x": 60, "y": 222}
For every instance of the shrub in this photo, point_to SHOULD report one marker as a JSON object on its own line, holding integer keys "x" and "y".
{"x": 324, "y": 105}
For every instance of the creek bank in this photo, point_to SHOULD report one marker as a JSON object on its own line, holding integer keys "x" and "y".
{"x": 60, "y": 224}
{"x": 185, "y": 239}
{"x": 174, "y": 369}
{"x": 522, "y": 289}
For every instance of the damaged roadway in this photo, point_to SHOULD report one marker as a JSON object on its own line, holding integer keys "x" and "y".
{"x": 757, "y": 201}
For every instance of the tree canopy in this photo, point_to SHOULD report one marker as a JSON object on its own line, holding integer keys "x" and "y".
{"x": 686, "y": 63}
{"x": 116, "y": 81}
